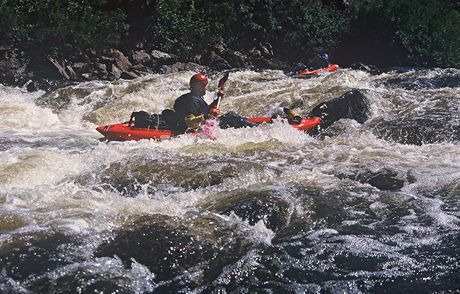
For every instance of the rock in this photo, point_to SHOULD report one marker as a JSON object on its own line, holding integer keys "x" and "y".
{"x": 351, "y": 105}
{"x": 141, "y": 69}
{"x": 71, "y": 72}
{"x": 386, "y": 180}
{"x": 13, "y": 70}
{"x": 236, "y": 59}
{"x": 266, "y": 49}
{"x": 101, "y": 67}
{"x": 383, "y": 179}
{"x": 173, "y": 247}
{"x": 32, "y": 254}
{"x": 121, "y": 60}
{"x": 272, "y": 63}
{"x": 87, "y": 75}
{"x": 219, "y": 49}
{"x": 80, "y": 66}
{"x": 179, "y": 66}
{"x": 141, "y": 57}
{"x": 128, "y": 75}
{"x": 42, "y": 84}
{"x": 255, "y": 53}
{"x": 253, "y": 207}
{"x": 424, "y": 129}
{"x": 31, "y": 87}
{"x": 60, "y": 67}
{"x": 215, "y": 61}
{"x": 116, "y": 72}
{"x": 162, "y": 58}
{"x": 361, "y": 66}
{"x": 101, "y": 71}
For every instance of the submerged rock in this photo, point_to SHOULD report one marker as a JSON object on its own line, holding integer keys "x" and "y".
{"x": 33, "y": 254}
{"x": 257, "y": 206}
{"x": 384, "y": 179}
{"x": 445, "y": 80}
{"x": 170, "y": 247}
{"x": 433, "y": 128}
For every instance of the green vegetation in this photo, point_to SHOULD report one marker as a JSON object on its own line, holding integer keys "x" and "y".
{"x": 425, "y": 33}
{"x": 60, "y": 26}
{"x": 407, "y": 32}
{"x": 192, "y": 25}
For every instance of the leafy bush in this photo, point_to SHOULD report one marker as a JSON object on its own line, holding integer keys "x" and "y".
{"x": 428, "y": 32}
{"x": 180, "y": 26}
{"x": 289, "y": 25}
{"x": 61, "y": 25}
{"x": 387, "y": 31}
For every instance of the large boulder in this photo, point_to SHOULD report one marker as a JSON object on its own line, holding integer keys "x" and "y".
{"x": 121, "y": 61}
{"x": 141, "y": 57}
{"x": 161, "y": 58}
{"x": 351, "y": 105}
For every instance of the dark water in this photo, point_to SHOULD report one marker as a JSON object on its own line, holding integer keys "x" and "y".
{"x": 365, "y": 208}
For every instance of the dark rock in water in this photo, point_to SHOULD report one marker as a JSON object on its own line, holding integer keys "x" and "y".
{"x": 84, "y": 281}
{"x": 446, "y": 80}
{"x": 366, "y": 67}
{"x": 129, "y": 179}
{"x": 433, "y": 128}
{"x": 170, "y": 247}
{"x": 256, "y": 206}
{"x": 351, "y": 105}
{"x": 32, "y": 255}
{"x": 384, "y": 179}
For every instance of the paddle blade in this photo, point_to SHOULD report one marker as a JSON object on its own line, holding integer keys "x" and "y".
{"x": 223, "y": 80}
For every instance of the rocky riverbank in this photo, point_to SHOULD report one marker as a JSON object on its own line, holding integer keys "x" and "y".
{"x": 46, "y": 72}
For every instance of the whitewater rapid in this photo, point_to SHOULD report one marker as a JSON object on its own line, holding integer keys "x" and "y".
{"x": 269, "y": 209}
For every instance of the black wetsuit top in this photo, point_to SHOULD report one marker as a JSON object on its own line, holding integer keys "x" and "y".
{"x": 190, "y": 104}
{"x": 319, "y": 61}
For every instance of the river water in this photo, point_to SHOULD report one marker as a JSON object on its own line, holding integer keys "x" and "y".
{"x": 364, "y": 208}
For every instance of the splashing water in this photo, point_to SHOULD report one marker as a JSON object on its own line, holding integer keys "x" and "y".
{"x": 370, "y": 207}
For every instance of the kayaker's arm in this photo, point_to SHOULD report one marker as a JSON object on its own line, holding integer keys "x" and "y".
{"x": 214, "y": 107}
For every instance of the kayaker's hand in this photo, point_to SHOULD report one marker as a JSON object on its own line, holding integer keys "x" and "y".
{"x": 220, "y": 93}
{"x": 214, "y": 111}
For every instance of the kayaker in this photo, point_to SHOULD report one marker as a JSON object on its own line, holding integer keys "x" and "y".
{"x": 192, "y": 110}
{"x": 320, "y": 59}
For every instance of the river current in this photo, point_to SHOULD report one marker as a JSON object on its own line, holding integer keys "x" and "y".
{"x": 363, "y": 208}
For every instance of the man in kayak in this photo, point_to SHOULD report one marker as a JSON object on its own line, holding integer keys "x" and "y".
{"x": 192, "y": 111}
{"x": 320, "y": 60}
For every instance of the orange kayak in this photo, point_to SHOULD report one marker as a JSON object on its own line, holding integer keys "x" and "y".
{"x": 126, "y": 131}
{"x": 309, "y": 73}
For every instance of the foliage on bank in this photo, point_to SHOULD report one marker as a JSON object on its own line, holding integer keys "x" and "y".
{"x": 406, "y": 32}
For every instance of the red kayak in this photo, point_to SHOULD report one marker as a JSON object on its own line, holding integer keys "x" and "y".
{"x": 309, "y": 73}
{"x": 126, "y": 131}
